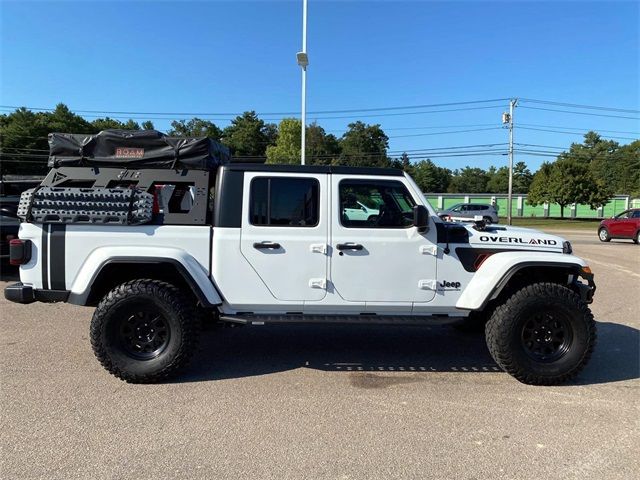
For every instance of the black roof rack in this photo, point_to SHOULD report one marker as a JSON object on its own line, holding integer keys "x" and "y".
{"x": 338, "y": 169}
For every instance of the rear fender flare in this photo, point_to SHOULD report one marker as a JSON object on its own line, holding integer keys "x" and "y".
{"x": 187, "y": 266}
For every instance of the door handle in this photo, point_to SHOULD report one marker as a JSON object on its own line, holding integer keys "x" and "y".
{"x": 349, "y": 246}
{"x": 266, "y": 245}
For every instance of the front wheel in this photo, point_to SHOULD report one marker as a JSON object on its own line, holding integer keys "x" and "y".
{"x": 603, "y": 235}
{"x": 543, "y": 334}
{"x": 487, "y": 220}
{"x": 636, "y": 239}
{"x": 144, "y": 331}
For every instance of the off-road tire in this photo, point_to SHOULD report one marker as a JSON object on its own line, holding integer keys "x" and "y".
{"x": 505, "y": 333}
{"x": 603, "y": 235}
{"x": 182, "y": 322}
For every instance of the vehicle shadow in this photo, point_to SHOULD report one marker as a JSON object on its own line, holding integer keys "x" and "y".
{"x": 250, "y": 351}
{"x": 9, "y": 273}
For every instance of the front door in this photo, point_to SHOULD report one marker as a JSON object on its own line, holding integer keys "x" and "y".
{"x": 285, "y": 233}
{"x": 382, "y": 258}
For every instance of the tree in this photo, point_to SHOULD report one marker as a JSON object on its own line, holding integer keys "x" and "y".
{"x": 364, "y": 146}
{"x": 610, "y": 163}
{"x": 565, "y": 182}
{"x": 499, "y": 179}
{"x": 287, "y": 147}
{"x": 61, "y": 119}
{"x": 248, "y": 136}
{"x": 469, "y": 180}
{"x": 106, "y": 123}
{"x": 148, "y": 125}
{"x": 431, "y": 178}
{"x": 196, "y": 127}
{"x": 322, "y": 148}
{"x": 522, "y": 178}
{"x": 23, "y": 140}
{"x": 628, "y": 170}
{"x": 540, "y": 188}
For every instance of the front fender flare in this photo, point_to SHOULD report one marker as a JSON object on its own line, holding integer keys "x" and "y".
{"x": 495, "y": 272}
{"x": 188, "y": 267}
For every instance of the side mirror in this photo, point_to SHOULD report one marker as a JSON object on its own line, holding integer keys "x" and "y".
{"x": 421, "y": 218}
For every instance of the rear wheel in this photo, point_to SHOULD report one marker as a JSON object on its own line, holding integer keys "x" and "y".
{"x": 636, "y": 239}
{"x": 543, "y": 334}
{"x": 603, "y": 235}
{"x": 487, "y": 220}
{"x": 144, "y": 331}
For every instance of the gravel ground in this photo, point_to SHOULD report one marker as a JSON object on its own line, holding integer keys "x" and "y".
{"x": 338, "y": 402}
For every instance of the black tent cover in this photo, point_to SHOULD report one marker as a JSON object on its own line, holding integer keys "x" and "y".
{"x": 135, "y": 149}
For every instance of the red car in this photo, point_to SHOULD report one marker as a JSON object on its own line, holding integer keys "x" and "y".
{"x": 623, "y": 225}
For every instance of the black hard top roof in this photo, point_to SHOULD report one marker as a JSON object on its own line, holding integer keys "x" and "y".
{"x": 342, "y": 170}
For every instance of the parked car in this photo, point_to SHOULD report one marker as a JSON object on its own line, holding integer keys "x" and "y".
{"x": 468, "y": 211}
{"x": 623, "y": 225}
{"x": 355, "y": 210}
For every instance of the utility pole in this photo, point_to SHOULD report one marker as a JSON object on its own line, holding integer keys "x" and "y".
{"x": 508, "y": 119}
{"x": 303, "y": 61}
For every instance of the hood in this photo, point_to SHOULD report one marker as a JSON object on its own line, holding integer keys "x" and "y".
{"x": 504, "y": 236}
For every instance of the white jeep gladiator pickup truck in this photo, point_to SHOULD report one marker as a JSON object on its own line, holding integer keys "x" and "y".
{"x": 258, "y": 244}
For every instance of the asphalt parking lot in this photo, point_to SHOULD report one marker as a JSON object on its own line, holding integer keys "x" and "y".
{"x": 345, "y": 402}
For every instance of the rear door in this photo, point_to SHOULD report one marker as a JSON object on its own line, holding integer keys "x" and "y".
{"x": 384, "y": 259}
{"x": 285, "y": 233}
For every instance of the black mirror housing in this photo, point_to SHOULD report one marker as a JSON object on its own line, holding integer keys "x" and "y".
{"x": 421, "y": 218}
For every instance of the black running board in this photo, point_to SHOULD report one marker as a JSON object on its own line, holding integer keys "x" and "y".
{"x": 364, "y": 319}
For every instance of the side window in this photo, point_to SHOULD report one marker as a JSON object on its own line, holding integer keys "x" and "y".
{"x": 389, "y": 204}
{"x": 623, "y": 215}
{"x": 636, "y": 214}
{"x": 284, "y": 202}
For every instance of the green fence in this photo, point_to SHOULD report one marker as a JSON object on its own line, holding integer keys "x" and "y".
{"x": 521, "y": 207}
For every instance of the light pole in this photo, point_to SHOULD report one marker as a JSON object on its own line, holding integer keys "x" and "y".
{"x": 303, "y": 61}
{"x": 507, "y": 118}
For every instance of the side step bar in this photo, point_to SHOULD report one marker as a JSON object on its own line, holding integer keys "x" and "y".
{"x": 364, "y": 319}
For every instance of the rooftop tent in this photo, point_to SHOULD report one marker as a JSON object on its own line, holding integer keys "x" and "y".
{"x": 137, "y": 149}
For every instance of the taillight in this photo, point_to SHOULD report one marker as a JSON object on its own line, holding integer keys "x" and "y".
{"x": 19, "y": 251}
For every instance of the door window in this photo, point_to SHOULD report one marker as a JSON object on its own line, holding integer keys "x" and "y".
{"x": 284, "y": 202}
{"x": 389, "y": 204}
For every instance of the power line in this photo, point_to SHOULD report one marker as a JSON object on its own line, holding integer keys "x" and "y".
{"x": 576, "y": 105}
{"x": 580, "y": 113}
{"x": 446, "y": 132}
{"x": 354, "y": 110}
{"x": 571, "y": 133}
{"x": 577, "y": 128}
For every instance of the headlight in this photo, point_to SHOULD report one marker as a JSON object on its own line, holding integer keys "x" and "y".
{"x": 566, "y": 247}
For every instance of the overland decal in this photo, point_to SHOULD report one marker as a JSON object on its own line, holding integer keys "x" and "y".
{"x": 533, "y": 241}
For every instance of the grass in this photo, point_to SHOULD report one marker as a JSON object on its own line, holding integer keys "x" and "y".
{"x": 555, "y": 223}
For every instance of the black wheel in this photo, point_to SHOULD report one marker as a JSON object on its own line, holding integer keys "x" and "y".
{"x": 487, "y": 220}
{"x": 372, "y": 219}
{"x": 636, "y": 239}
{"x": 603, "y": 235}
{"x": 543, "y": 334}
{"x": 145, "y": 331}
